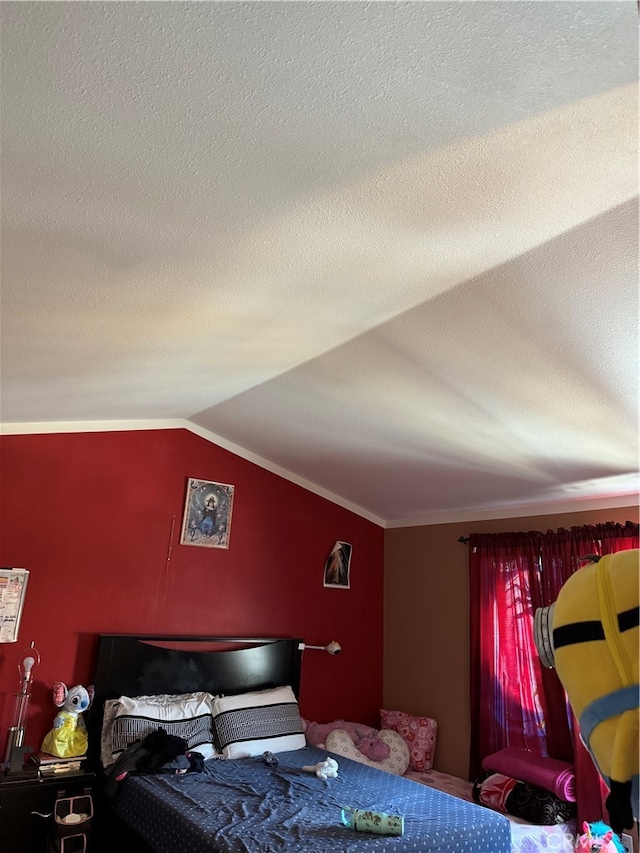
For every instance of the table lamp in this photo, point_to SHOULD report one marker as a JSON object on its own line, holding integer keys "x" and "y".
{"x": 16, "y": 749}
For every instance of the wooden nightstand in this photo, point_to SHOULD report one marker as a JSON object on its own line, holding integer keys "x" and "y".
{"x": 21, "y": 831}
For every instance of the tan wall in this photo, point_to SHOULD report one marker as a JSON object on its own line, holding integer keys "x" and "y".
{"x": 426, "y": 653}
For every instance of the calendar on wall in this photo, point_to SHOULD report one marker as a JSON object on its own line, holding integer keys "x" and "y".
{"x": 13, "y": 588}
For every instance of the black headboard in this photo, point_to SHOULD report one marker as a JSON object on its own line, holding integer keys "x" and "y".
{"x": 136, "y": 665}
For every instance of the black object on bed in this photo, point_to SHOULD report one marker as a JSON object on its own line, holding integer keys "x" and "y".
{"x": 242, "y": 805}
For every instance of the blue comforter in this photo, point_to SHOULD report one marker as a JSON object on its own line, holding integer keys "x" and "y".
{"x": 243, "y": 806}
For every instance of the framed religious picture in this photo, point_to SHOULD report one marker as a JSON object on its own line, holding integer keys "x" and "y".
{"x": 207, "y": 514}
{"x": 338, "y": 566}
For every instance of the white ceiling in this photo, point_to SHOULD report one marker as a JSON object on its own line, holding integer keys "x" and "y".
{"x": 387, "y": 249}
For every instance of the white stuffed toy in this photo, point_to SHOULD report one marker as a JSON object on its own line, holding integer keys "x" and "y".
{"x": 68, "y": 737}
{"x": 327, "y": 769}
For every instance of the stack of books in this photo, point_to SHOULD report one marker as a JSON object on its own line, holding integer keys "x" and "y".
{"x": 53, "y": 765}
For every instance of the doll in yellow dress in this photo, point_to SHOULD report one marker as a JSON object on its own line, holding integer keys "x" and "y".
{"x": 68, "y": 737}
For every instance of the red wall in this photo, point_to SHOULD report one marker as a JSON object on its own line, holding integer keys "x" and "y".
{"x": 96, "y": 519}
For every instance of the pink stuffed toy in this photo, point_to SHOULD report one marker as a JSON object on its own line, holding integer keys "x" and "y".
{"x": 598, "y": 838}
{"x": 364, "y": 737}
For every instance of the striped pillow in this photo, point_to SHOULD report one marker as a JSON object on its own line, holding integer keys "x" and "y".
{"x": 187, "y": 715}
{"x": 251, "y": 723}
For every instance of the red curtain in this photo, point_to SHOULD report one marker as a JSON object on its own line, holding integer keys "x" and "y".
{"x": 515, "y": 701}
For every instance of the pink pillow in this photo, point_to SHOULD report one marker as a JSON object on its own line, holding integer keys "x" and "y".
{"x": 419, "y": 733}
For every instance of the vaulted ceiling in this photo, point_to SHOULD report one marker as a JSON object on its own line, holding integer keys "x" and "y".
{"x": 389, "y": 250}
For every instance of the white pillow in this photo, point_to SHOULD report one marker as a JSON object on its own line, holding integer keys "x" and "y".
{"x": 187, "y": 715}
{"x": 252, "y": 723}
{"x": 339, "y": 742}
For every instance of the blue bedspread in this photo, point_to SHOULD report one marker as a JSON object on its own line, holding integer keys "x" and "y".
{"x": 242, "y": 806}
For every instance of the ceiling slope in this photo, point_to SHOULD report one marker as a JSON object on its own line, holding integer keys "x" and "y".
{"x": 389, "y": 250}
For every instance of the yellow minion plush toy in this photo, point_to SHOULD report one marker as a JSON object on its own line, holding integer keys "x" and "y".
{"x": 591, "y": 636}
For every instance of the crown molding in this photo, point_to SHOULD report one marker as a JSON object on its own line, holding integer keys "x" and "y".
{"x": 522, "y": 510}
{"x": 52, "y": 427}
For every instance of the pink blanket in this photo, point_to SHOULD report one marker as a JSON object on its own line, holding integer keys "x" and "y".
{"x": 548, "y": 773}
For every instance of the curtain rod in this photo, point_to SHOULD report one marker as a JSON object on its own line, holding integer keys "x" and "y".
{"x": 464, "y": 540}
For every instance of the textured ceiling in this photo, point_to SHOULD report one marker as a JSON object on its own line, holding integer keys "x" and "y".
{"x": 387, "y": 249}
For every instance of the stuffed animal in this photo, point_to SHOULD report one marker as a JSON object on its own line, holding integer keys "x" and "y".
{"x": 270, "y": 760}
{"x": 591, "y": 636}
{"x": 69, "y": 734}
{"x": 327, "y": 769}
{"x": 598, "y": 838}
{"x": 364, "y": 737}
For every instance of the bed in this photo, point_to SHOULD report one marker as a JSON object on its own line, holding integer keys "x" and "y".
{"x": 241, "y": 805}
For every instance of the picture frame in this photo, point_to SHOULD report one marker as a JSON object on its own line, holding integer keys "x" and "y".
{"x": 337, "y": 569}
{"x": 13, "y": 589}
{"x": 208, "y": 509}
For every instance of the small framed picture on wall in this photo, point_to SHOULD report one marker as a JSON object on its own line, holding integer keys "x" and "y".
{"x": 207, "y": 514}
{"x": 337, "y": 569}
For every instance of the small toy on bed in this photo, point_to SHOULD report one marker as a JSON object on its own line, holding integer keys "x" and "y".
{"x": 270, "y": 760}
{"x": 380, "y": 823}
{"x": 598, "y": 838}
{"x": 68, "y": 737}
{"x": 327, "y": 769}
